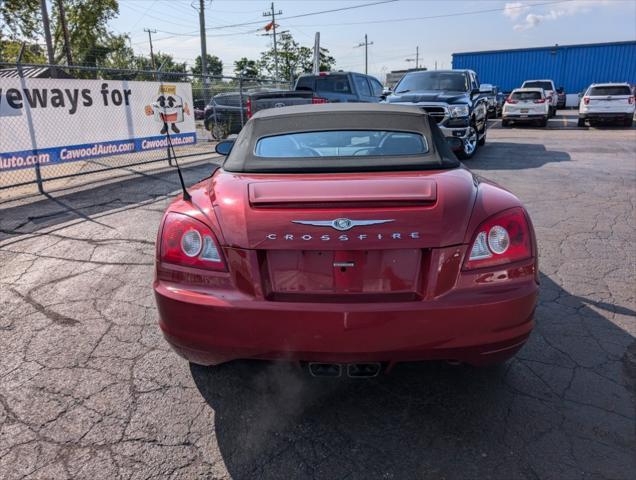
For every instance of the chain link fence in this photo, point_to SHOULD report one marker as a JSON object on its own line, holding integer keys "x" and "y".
{"x": 59, "y": 122}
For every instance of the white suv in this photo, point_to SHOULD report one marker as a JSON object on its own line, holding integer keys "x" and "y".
{"x": 550, "y": 92}
{"x": 607, "y": 102}
{"x": 526, "y": 105}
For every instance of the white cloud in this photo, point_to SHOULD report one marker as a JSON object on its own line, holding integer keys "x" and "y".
{"x": 532, "y": 20}
{"x": 566, "y": 8}
{"x": 515, "y": 10}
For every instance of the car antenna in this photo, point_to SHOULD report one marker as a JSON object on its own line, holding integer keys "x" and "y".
{"x": 173, "y": 156}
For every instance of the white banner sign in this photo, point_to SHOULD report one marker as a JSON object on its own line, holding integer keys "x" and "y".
{"x": 49, "y": 121}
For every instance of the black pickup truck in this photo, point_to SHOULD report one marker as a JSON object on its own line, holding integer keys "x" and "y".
{"x": 453, "y": 98}
{"x": 227, "y": 112}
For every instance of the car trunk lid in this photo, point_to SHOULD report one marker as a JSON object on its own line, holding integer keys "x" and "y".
{"x": 344, "y": 235}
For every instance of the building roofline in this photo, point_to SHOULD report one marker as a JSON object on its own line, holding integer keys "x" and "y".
{"x": 549, "y": 47}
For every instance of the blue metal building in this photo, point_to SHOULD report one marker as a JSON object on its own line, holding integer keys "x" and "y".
{"x": 573, "y": 67}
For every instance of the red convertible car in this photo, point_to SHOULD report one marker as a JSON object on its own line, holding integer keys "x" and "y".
{"x": 349, "y": 238}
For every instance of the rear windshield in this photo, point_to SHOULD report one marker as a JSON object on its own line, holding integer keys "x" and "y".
{"x": 454, "y": 81}
{"x": 305, "y": 83}
{"x": 526, "y": 96}
{"x": 228, "y": 100}
{"x": 610, "y": 90}
{"x": 544, "y": 85}
{"x": 333, "y": 83}
{"x": 341, "y": 143}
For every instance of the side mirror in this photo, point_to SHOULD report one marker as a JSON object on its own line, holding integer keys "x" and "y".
{"x": 475, "y": 91}
{"x": 385, "y": 93}
{"x": 455, "y": 144}
{"x": 485, "y": 88}
{"x": 224, "y": 148}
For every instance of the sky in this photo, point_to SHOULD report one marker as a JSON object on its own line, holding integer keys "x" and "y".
{"x": 396, "y": 28}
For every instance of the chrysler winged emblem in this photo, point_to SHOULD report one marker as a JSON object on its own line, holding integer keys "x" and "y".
{"x": 341, "y": 224}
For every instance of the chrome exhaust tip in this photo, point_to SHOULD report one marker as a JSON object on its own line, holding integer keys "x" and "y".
{"x": 325, "y": 369}
{"x": 363, "y": 370}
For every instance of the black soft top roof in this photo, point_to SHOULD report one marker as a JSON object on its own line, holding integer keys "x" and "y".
{"x": 330, "y": 117}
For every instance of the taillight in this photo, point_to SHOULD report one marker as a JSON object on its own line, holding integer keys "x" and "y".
{"x": 186, "y": 241}
{"x": 503, "y": 238}
{"x": 510, "y": 100}
{"x": 631, "y": 100}
{"x": 249, "y": 108}
{"x": 586, "y": 100}
{"x": 541, "y": 100}
{"x": 315, "y": 100}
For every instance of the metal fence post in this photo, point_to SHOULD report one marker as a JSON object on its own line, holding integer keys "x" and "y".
{"x": 241, "y": 99}
{"x": 36, "y": 163}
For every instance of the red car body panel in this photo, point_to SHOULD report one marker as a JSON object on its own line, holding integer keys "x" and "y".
{"x": 406, "y": 299}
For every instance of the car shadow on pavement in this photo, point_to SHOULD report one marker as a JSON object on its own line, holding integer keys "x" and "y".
{"x": 87, "y": 204}
{"x": 515, "y": 156}
{"x": 563, "y": 408}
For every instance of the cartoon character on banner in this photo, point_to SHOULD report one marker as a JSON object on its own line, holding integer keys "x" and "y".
{"x": 168, "y": 109}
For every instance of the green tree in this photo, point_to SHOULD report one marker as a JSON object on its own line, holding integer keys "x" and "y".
{"x": 327, "y": 62}
{"x": 214, "y": 65}
{"x": 293, "y": 59}
{"x": 19, "y": 19}
{"x": 91, "y": 40}
{"x": 249, "y": 68}
{"x": 10, "y": 49}
{"x": 169, "y": 65}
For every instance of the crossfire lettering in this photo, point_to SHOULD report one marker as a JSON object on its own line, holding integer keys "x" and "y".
{"x": 344, "y": 238}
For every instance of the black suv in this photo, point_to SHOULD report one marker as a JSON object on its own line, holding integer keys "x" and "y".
{"x": 453, "y": 99}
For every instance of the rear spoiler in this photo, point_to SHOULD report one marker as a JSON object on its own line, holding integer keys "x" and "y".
{"x": 320, "y": 193}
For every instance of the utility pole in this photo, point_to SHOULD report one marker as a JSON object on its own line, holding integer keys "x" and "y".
{"x": 365, "y": 44}
{"x": 273, "y": 14}
{"x": 152, "y": 53}
{"x": 47, "y": 32}
{"x": 417, "y": 57}
{"x": 67, "y": 42}
{"x": 316, "y": 69}
{"x": 204, "y": 51}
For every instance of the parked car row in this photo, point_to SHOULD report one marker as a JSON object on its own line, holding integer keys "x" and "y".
{"x": 537, "y": 100}
{"x": 455, "y": 99}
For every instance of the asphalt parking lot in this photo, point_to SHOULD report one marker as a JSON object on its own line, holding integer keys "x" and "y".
{"x": 89, "y": 389}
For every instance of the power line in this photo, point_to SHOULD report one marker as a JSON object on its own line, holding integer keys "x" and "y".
{"x": 285, "y": 18}
{"x": 431, "y": 17}
{"x": 144, "y": 14}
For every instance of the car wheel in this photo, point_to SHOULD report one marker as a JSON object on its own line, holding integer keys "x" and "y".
{"x": 629, "y": 122}
{"x": 470, "y": 144}
{"x": 217, "y": 132}
{"x": 505, "y": 123}
{"x": 482, "y": 140}
{"x": 544, "y": 122}
{"x": 581, "y": 122}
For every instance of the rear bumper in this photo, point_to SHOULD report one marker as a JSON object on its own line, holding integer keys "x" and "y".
{"x": 605, "y": 115}
{"x": 478, "y": 326}
{"x": 518, "y": 117}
